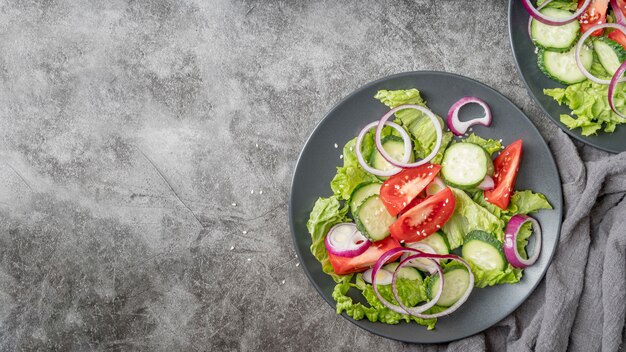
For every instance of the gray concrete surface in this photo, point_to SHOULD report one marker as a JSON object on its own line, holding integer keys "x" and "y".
{"x": 146, "y": 153}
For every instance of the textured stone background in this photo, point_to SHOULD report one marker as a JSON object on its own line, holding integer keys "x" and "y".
{"x": 129, "y": 131}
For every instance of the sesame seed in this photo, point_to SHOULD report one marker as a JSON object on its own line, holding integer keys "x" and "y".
{"x": 234, "y": 204}
{"x": 261, "y": 192}
{"x": 232, "y": 247}
{"x": 438, "y": 226}
{"x": 256, "y": 145}
{"x": 249, "y": 259}
{"x": 244, "y": 232}
{"x": 297, "y": 264}
{"x": 336, "y": 146}
{"x": 251, "y": 191}
{"x": 283, "y": 282}
{"x": 341, "y": 156}
{"x": 471, "y": 129}
{"x": 350, "y": 148}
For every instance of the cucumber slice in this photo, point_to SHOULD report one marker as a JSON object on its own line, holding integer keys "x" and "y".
{"x": 610, "y": 54}
{"x": 361, "y": 193}
{"x": 464, "y": 165}
{"x": 562, "y": 67}
{"x": 438, "y": 242}
{"x": 372, "y": 219}
{"x": 406, "y": 272}
{"x": 556, "y": 38}
{"x": 456, "y": 283}
{"x": 484, "y": 251}
{"x": 394, "y": 146}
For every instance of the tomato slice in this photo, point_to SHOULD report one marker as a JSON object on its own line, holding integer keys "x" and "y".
{"x": 505, "y": 166}
{"x": 366, "y": 260}
{"x": 417, "y": 200}
{"x": 595, "y": 14}
{"x": 618, "y": 37}
{"x": 425, "y": 218}
{"x": 400, "y": 189}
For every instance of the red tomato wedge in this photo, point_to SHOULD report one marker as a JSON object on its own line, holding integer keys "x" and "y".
{"x": 505, "y": 166}
{"x": 618, "y": 37}
{"x": 400, "y": 189}
{"x": 414, "y": 202}
{"x": 595, "y": 14}
{"x": 425, "y": 218}
{"x": 366, "y": 260}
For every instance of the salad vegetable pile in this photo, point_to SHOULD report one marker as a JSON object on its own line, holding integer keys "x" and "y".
{"x": 582, "y": 44}
{"x": 409, "y": 194}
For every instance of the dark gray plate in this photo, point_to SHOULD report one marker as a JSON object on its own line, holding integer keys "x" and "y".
{"x": 319, "y": 158}
{"x": 536, "y": 81}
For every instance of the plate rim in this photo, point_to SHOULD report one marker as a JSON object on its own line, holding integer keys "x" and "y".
{"x": 330, "y": 112}
{"x": 579, "y": 137}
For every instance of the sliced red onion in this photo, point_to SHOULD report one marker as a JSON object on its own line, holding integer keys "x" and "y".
{"x": 403, "y": 163}
{"x": 534, "y": 12}
{"x": 383, "y": 277}
{"x": 619, "y": 16}
{"x": 418, "y": 254}
{"x": 426, "y": 265}
{"x": 530, "y": 18}
{"x": 579, "y": 46}
{"x": 435, "y": 186}
{"x": 613, "y": 85}
{"x": 379, "y": 263}
{"x": 456, "y": 304}
{"x": 407, "y": 149}
{"x": 345, "y": 240}
{"x": 487, "y": 184}
{"x": 510, "y": 241}
{"x": 426, "y": 306}
{"x": 459, "y": 127}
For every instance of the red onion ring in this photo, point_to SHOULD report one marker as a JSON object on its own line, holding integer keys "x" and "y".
{"x": 456, "y": 304}
{"x": 619, "y": 16}
{"x": 459, "y": 127}
{"x": 420, "y": 264}
{"x": 404, "y": 164}
{"x": 426, "y": 306}
{"x": 579, "y": 46}
{"x": 534, "y": 12}
{"x": 487, "y": 184}
{"x": 407, "y": 148}
{"x": 613, "y": 85}
{"x": 530, "y": 18}
{"x": 510, "y": 241}
{"x": 379, "y": 263}
{"x": 417, "y": 254}
{"x": 353, "y": 246}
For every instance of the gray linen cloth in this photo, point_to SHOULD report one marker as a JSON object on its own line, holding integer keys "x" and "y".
{"x": 581, "y": 303}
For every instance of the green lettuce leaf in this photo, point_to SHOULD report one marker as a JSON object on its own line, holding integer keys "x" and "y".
{"x": 525, "y": 231}
{"x": 352, "y": 174}
{"x": 410, "y": 292}
{"x": 569, "y": 5}
{"x": 326, "y": 213}
{"x": 415, "y": 122}
{"x": 589, "y": 103}
{"x": 469, "y": 216}
{"x": 510, "y": 275}
{"x": 490, "y": 145}
{"x": 522, "y": 202}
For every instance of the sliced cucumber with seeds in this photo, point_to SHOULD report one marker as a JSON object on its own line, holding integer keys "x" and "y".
{"x": 394, "y": 146}
{"x": 438, "y": 242}
{"x": 406, "y": 272}
{"x": 484, "y": 251}
{"x": 562, "y": 67}
{"x": 610, "y": 54}
{"x": 557, "y": 38}
{"x": 456, "y": 283}
{"x": 361, "y": 193}
{"x": 372, "y": 219}
{"x": 464, "y": 165}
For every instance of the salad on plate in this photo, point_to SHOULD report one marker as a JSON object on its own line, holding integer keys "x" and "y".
{"x": 582, "y": 44}
{"x": 421, "y": 215}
